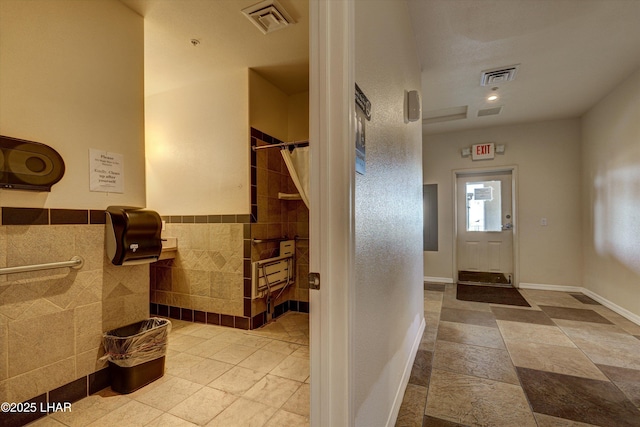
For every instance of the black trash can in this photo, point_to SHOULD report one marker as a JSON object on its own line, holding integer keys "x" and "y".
{"x": 136, "y": 353}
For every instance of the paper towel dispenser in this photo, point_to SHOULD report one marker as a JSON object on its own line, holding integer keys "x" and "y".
{"x": 133, "y": 235}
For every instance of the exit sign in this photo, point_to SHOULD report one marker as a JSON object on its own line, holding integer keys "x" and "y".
{"x": 483, "y": 151}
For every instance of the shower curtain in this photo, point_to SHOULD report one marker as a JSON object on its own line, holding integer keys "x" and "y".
{"x": 297, "y": 162}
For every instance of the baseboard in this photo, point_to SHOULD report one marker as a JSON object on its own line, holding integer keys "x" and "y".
{"x": 406, "y": 375}
{"x": 610, "y": 305}
{"x": 438, "y": 279}
{"x": 558, "y": 288}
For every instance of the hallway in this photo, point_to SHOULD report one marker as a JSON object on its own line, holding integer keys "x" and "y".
{"x": 566, "y": 361}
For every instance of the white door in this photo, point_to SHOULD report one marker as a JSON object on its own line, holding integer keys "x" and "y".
{"x": 485, "y": 223}
{"x": 331, "y": 219}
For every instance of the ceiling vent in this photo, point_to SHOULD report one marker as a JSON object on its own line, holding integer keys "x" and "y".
{"x": 489, "y": 111}
{"x": 268, "y": 16}
{"x": 498, "y": 75}
{"x": 445, "y": 115}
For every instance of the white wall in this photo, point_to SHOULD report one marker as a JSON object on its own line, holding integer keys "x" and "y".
{"x": 74, "y": 82}
{"x": 299, "y": 116}
{"x": 197, "y": 146}
{"x": 272, "y": 111}
{"x": 611, "y": 201}
{"x": 388, "y": 214}
{"x": 547, "y": 155}
{"x": 268, "y": 107}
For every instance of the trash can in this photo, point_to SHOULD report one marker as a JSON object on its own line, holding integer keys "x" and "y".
{"x": 136, "y": 353}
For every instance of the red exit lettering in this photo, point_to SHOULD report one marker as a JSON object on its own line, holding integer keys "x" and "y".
{"x": 483, "y": 149}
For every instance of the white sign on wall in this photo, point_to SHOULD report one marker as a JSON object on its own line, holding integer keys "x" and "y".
{"x": 483, "y": 151}
{"x": 106, "y": 171}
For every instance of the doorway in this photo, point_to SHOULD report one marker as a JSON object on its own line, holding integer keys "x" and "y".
{"x": 485, "y": 227}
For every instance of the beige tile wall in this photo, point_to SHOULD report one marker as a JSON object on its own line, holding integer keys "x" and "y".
{"x": 278, "y": 218}
{"x": 207, "y": 273}
{"x": 51, "y": 322}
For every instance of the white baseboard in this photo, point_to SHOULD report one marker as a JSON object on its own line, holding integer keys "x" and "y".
{"x": 614, "y": 307}
{"x": 541, "y": 287}
{"x": 406, "y": 375}
{"x": 438, "y": 279}
{"x": 610, "y": 305}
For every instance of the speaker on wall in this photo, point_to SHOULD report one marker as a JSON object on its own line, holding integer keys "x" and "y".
{"x": 413, "y": 106}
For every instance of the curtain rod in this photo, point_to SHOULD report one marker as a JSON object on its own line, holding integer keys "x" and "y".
{"x": 282, "y": 144}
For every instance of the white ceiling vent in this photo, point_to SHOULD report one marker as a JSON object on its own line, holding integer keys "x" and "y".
{"x": 445, "y": 115}
{"x": 268, "y": 16}
{"x": 498, "y": 75}
{"x": 489, "y": 111}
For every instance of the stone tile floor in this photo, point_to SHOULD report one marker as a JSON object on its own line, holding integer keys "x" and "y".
{"x": 214, "y": 376}
{"x": 566, "y": 361}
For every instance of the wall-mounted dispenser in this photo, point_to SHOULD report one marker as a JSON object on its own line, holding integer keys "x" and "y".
{"x": 27, "y": 165}
{"x": 133, "y": 235}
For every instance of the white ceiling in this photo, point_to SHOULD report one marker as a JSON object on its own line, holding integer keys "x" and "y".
{"x": 227, "y": 40}
{"x": 571, "y": 52}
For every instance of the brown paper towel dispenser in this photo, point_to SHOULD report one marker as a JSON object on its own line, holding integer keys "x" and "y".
{"x": 133, "y": 235}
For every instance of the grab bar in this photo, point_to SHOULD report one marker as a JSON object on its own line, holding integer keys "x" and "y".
{"x": 278, "y": 239}
{"x": 275, "y": 239}
{"x": 75, "y": 262}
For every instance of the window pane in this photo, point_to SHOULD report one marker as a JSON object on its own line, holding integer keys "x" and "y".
{"x": 484, "y": 206}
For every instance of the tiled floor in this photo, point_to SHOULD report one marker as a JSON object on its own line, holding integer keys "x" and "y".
{"x": 215, "y": 376}
{"x": 565, "y": 362}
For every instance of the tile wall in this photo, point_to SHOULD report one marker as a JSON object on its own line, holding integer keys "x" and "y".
{"x": 275, "y": 218}
{"x": 206, "y": 280}
{"x": 51, "y": 321}
{"x": 209, "y": 280}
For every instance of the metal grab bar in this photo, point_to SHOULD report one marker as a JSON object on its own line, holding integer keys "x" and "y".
{"x": 278, "y": 239}
{"x": 75, "y": 262}
{"x": 275, "y": 239}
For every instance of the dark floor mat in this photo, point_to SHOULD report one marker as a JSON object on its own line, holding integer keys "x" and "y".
{"x": 482, "y": 277}
{"x": 491, "y": 294}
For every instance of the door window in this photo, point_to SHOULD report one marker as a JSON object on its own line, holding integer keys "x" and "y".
{"x": 484, "y": 206}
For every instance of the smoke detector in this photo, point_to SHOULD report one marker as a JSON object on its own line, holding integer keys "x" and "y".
{"x": 498, "y": 75}
{"x": 268, "y": 16}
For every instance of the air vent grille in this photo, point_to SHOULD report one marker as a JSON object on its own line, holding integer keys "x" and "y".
{"x": 268, "y": 16}
{"x": 489, "y": 111}
{"x": 498, "y": 75}
{"x": 445, "y": 115}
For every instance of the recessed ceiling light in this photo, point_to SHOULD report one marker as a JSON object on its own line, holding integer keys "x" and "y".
{"x": 492, "y": 98}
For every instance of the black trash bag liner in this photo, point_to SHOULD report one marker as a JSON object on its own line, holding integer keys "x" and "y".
{"x": 138, "y": 343}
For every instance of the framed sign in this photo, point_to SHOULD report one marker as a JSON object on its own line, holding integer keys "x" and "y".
{"x": 363, "y": 114}
{"x": 106, "y": 171}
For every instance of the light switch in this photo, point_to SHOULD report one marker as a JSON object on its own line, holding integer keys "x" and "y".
{"x": 543, "y": 222}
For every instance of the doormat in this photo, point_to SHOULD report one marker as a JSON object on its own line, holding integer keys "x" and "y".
{"x": 482, "y": 277}
{"x": 491, "y": 294}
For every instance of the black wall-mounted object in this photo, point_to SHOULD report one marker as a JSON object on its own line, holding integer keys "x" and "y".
{"x": 133, "y": 235}
{"x": 28, "y": 165}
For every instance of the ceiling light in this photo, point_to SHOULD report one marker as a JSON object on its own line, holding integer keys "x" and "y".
{"x": 492, "y": 98}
